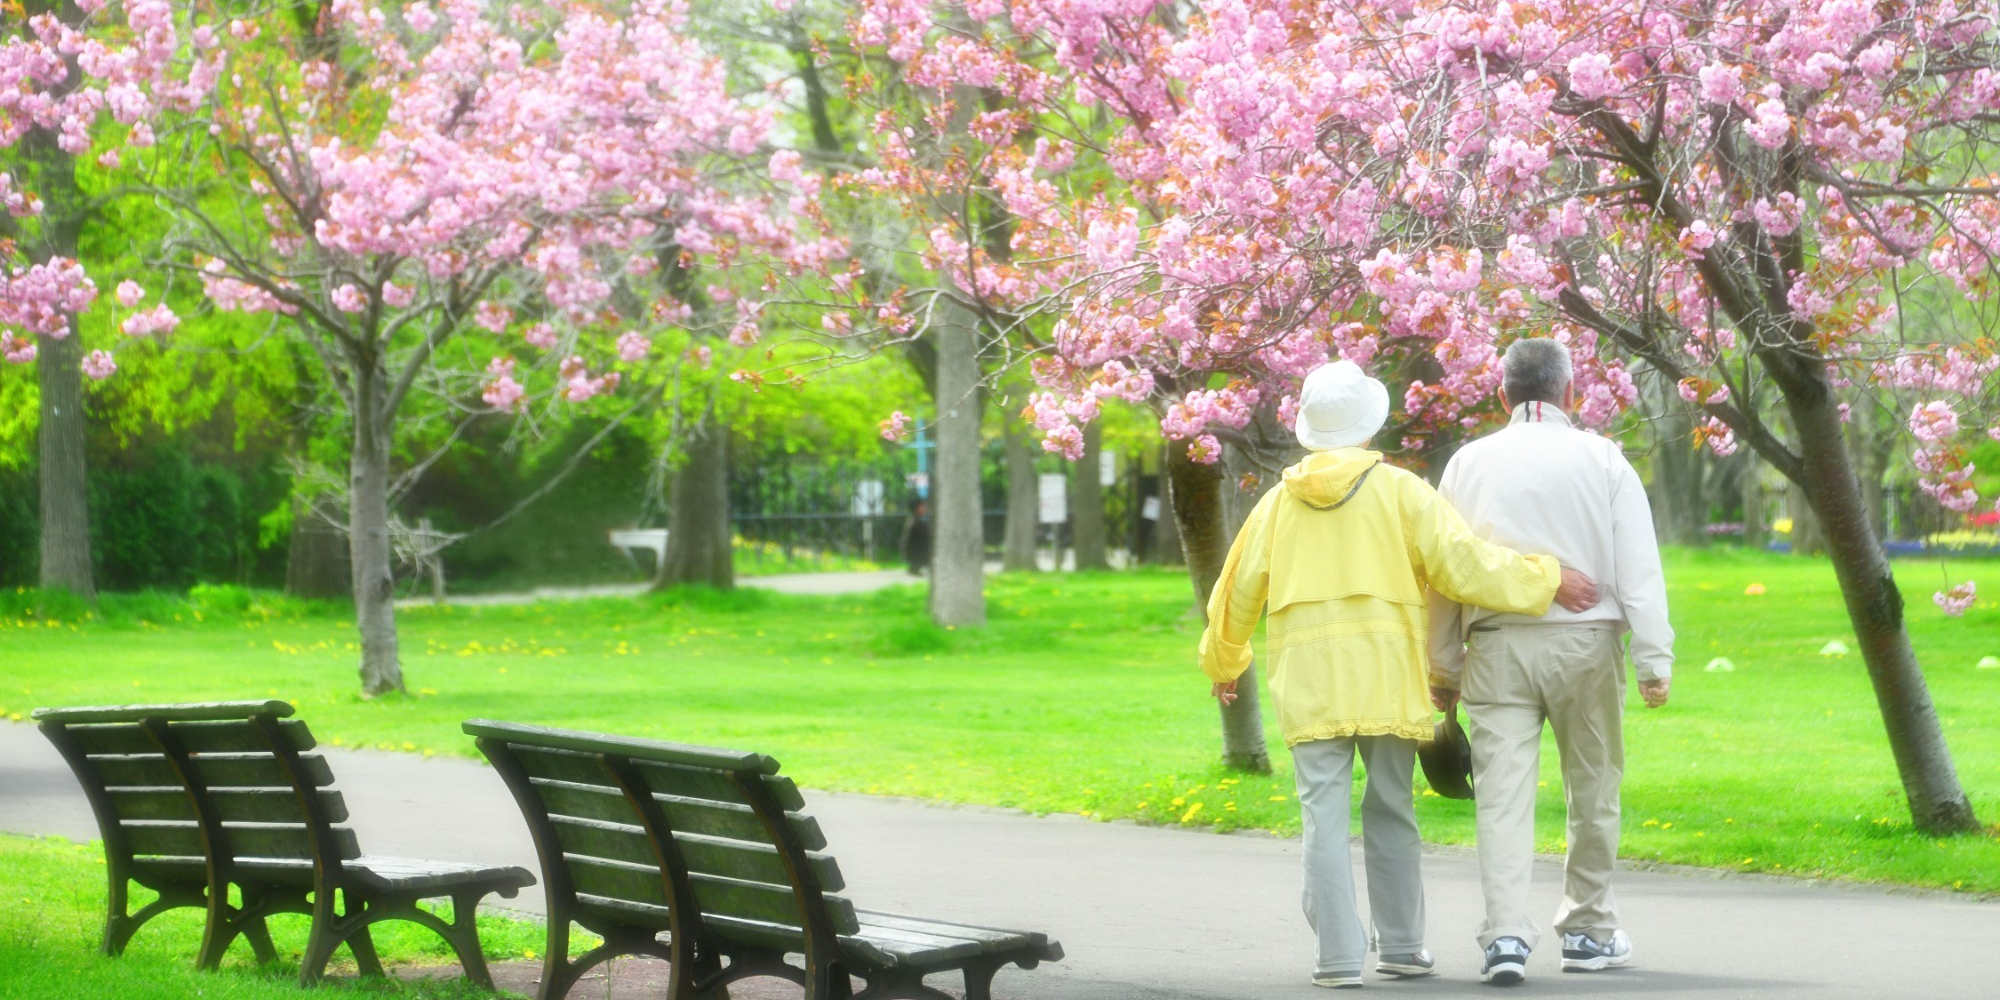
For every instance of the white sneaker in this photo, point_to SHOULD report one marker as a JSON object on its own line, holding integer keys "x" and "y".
{"x": 1582, "y": 954}
{"x": 1337, "y": 980}
{"x": 1417, "y": 963}
{"x": 1506, "y": 962}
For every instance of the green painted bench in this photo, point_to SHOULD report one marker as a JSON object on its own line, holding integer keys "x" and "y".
{"x": 639, "y": 838}
{"x": 192, "y": 799}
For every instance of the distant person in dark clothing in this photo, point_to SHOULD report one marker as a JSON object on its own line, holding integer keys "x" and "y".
{"x": 917, "y": 539}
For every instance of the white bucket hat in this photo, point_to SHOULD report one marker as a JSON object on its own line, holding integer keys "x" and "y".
{"x": 1340, "y": 407}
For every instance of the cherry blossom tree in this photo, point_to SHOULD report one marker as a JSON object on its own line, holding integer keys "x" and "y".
{"x": 1025, "y": 189}
{"x": 1784, "y": 207}
{"x": 417, "y": 182}
{"x": 74, "y": 77}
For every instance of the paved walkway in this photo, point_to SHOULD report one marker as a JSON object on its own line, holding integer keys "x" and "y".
{"x": 1162, "y": 914}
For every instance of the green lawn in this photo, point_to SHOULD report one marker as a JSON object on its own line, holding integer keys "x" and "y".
{"x": 1082, "y": 696}
{"x": 52, "y": 911}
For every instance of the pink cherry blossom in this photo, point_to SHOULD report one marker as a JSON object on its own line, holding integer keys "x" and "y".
{"x": 492, "y": 316}
{"x": 17, "y": 350}
{"x": 98, "y": 365}
{"x": 350, "y": 298}
{"x": 130, "y": 294}
{"x": 1953, "y": 602}
{"x": 1933, "y": 422}
{"x": 148, "y": 322}
{"x": 634, "y": 346}
{"x": 540, "y": 335}
{"x": 896, "y": 427}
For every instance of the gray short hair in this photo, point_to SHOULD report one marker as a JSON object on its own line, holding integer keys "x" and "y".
{"x": 1535, "y": 369}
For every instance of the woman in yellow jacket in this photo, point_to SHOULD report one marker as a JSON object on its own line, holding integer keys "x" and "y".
{"x": 1340, "y": 555}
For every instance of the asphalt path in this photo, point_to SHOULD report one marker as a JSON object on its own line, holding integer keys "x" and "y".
{"x": 1148, "y": 913}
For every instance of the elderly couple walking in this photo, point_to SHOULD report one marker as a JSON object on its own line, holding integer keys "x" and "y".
{"x": 1387, "y": 598}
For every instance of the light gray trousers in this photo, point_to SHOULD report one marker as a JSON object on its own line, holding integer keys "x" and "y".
{"x": 1390, "y": 845}
{"x": 1572, "y": 677}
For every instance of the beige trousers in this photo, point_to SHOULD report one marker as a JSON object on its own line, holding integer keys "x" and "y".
{"x": 1573, "y": 676}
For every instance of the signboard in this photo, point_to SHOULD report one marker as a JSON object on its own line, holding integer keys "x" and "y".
{"x": 1107, "y": 468}
{"x": 1150, "y": 510}
{"x": 869, "y": 498}
{"x": 1053, "y": 497}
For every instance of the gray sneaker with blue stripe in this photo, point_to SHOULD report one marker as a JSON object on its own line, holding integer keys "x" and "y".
{"x": 1582, "y": 953}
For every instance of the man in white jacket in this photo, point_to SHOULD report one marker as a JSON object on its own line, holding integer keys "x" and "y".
{"x": 1541, "y": 485}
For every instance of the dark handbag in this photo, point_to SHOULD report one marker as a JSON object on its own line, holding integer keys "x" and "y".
{"x": 1447, "y": 758}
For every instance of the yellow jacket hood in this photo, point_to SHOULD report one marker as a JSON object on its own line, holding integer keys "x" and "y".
{"x": 1327, "y": 478}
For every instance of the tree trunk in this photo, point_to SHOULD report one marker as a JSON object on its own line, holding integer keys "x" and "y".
{"x": 958, "y": 554}
{"x": 698, "y": 527}
{"x": 1872, "y": 444}
{"x": 1198, "y": 509}
{"x": 1086, "y": 502}
{"x": 1167, "y": 530}
{"x": 316, "y": 560}
{"x": 1874, "y": 604}
{"x": 368, "y": 527}
{"x": 1017, "y": 549}
{"x": 1680, "y": 504}
{"x": 1806, "y": 539}
{"x": 65, "y": 482}
{"x": 1753, "y": 502}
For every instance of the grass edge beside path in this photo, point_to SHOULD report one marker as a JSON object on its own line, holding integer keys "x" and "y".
{"x": 1081, "y": 697}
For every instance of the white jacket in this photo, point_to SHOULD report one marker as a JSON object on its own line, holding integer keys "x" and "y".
{"x": 1541, "y": 485}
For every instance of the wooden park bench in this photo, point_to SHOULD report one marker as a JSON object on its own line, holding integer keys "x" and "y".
{"x": 639, "y": 837}
{"x": 192, "y": 799}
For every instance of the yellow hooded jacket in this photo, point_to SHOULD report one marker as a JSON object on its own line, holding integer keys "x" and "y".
{"x": 1341, "y": 554}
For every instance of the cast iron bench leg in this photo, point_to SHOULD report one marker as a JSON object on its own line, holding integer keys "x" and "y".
{"x": 259, "y": 935}
{"x": 979, "y": 979}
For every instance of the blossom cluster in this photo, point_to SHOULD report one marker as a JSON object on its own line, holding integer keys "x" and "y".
{"x": 529, "y": 160}
{"x": 75, "y": 76}
{"x": 1410, "y": 184}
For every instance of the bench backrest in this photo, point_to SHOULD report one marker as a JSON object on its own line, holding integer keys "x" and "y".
{"x": 629, "y": 829}
{"x": 209, "y": 782}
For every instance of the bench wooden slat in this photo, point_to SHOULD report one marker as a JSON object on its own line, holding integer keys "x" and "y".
{"x": 287, "y": 840}
{"x": 693, "y": 783}
{"x": 990, "y": 938}
{"x": 714, "y": 819}
{"x": 233, "y": 805}
{"x": 196, "y": 737}
{"x": 706, "y": 855}
{"x": 610, "y": 841}
{"x": 623, "y": 746}
{"x": 216, "y": 771}
{"x": 772, "y": 904}
{"x": 898, "y": 948}
{"x": 406, "y": 875}
{"x": 752, "y": 862}
{"x": 754, "y": 932}
{"x": 734, "y": 822}
{"x": 182, "y": 711}
{"x": 624, "y": 911}
{"x": 616, "y": 880}
{"x": 563, "y": 798}
{"x": 565, "y": 765}
{"x": 164, "y": 838}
